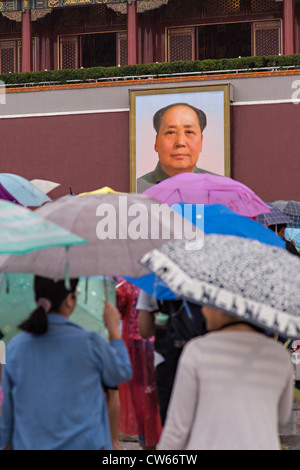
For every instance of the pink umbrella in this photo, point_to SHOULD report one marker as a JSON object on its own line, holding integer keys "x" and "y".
{"x": 205, "y": 188}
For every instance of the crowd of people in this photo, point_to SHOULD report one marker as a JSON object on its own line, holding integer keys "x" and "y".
{"x": 57, "y": 378}
{"x": 217, "y": 388}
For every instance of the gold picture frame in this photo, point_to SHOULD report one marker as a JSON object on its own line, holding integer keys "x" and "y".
{"x": 214, "y": 100}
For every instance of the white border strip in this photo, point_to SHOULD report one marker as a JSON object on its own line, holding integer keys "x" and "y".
{"x": 250, "y": 103}
{"x": 63, "y": 113}
{"x": 103, "y": 111}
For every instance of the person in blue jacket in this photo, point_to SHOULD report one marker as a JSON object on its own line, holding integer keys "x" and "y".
{"x": 55, "y": 375}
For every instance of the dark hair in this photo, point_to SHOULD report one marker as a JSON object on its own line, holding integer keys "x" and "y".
{"x": 55, "y": 293}
{"x": 157, "y": 118}
{"x": 277, "y": 227}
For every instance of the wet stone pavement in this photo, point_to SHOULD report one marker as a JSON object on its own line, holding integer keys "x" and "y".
{"x": 129, "y": 442}
{"x": 289, "y": 434}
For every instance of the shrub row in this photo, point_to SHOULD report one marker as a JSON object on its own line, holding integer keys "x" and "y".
{"x": 154, "y": 69}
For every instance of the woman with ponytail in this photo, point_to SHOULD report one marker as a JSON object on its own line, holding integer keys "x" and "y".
{"x": 54, "y": 374}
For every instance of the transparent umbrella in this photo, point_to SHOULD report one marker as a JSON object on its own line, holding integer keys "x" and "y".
{"x": 275, "y": 217}
{"x": 291, "y": 209}
{"x": 17, "y": 302}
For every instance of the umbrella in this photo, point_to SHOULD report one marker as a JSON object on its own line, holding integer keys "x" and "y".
{"x": 44, "y": 185}
{"x": 93, "y": 291}
{"x": 119, "y": 229}
{"x": 23, "y": 230}
{"x": 293, "y": 234}
{"x": 104, "y": 190}
{"x": 205, "y": 188}
{"x": 291, "y": 209}
{"x": 275, "y": 217}
{"x": 4, "y": 194}
{"x": 23, "y": 190}
{"x": 243, "y": 277}
{"x": 17, "y": 302}
{"x": 217, "y": 219}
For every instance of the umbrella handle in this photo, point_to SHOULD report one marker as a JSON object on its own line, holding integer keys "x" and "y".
{"x": 105, "y": 289}
{"x": 67, "y": 271}
{"x": 1, "y": 280}
{"x": 4, "y": 277}
{"x": 187, "y": 308}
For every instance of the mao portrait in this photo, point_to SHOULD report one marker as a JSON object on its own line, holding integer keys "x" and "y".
{"x": 184, "y": 135}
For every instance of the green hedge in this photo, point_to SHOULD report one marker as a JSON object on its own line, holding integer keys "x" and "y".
{"x": 154, "y": 69}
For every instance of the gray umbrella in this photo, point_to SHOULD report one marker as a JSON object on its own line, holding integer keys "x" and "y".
{"x": 120, "y": 228}
{"x": 256, "y": 282}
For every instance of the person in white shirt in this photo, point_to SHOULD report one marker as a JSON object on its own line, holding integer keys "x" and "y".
{"x": 232, "y": 391}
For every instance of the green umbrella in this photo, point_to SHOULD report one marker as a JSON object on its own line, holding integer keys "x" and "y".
{"x": 17, "y": 302}
{"x": 93, "y": 291}
{"x": 23, "y": 231}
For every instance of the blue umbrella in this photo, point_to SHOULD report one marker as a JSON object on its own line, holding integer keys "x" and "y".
{"x": 23, "y": 190}
{"x": 293, "y": 234}
{"x": 218, "y": 219}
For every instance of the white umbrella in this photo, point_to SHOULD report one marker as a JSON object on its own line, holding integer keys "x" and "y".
{"x": 256, "y": 282}
{"x": 45, "y": 185}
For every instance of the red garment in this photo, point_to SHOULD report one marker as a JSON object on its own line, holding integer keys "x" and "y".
{"x": 139, "y": 409}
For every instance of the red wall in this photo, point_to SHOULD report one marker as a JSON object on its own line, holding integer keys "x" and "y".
{"x": 84, "y": 152}
{"x": 87, "y": 152}
{"x": 265, "y": 149}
